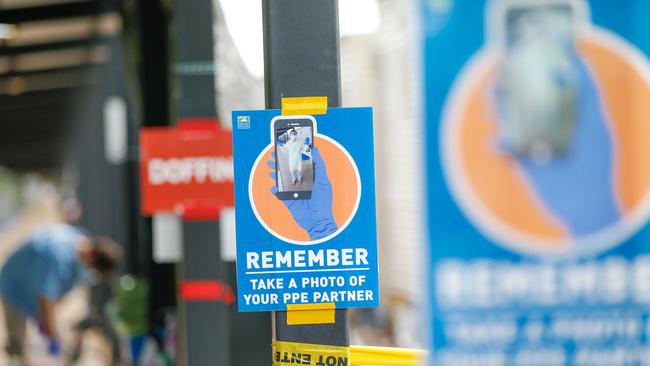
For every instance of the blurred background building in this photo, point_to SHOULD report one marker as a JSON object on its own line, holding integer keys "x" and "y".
{"x": 79, "y": 78}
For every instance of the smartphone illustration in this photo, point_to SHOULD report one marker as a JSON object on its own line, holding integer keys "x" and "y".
{"x": 539, "y": 78}
{"x": 293, "y": 138}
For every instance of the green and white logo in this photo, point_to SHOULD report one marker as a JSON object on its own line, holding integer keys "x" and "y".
{"x": 243, "y": 122}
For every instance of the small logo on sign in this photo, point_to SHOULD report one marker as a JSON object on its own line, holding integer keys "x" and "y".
{"x": 243, "y": 122}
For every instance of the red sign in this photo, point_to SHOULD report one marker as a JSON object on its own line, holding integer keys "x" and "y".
{"x": 186, "y": 167}
{"x": 206, "y": 291}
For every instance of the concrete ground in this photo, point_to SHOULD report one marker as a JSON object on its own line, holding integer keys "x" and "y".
{"x": 69, "y": 311}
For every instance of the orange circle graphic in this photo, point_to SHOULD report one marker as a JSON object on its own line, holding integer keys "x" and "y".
{"x": 276, "y": 216}
{"x": 491, "y": 175}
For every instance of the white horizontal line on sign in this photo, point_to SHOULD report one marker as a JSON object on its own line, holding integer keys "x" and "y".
{"x": 309, "y": 270}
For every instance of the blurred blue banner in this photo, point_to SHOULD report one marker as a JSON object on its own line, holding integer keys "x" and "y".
{"x": 538, "y": 160}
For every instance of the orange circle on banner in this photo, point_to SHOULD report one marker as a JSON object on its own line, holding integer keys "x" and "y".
{"x": 342, "y": 174}
{"x": 489, "y": 185}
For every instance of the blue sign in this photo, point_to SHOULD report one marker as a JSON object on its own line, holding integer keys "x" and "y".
{"x": 305, "y": 209}
{"x": 538, "y": 162}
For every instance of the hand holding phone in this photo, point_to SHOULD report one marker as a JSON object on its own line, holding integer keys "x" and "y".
{"x": 314, "y": 215}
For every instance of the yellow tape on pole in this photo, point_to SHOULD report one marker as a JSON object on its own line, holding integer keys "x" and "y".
{"x": 304, "y": 105}
{"x": 299, "y": 314}
{"x": 291, "y": 354}
{"x": 384, "y": 356}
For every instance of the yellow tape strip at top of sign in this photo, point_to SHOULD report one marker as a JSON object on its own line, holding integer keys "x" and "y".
{"x": 300, "y": 314}
{"x": 291, "y": 354}
{"x": 304, "y": 105}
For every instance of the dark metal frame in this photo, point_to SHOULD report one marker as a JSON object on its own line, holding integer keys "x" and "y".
{"x": 301, "y": 58}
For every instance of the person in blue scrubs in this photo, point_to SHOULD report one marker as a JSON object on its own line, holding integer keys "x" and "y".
{"x": 54, "y": 260}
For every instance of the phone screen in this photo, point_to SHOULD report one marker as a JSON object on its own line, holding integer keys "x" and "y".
{"x": 539, "y": 23}
{"x": 539, "y": 85}
{"x": 294, "y": 140}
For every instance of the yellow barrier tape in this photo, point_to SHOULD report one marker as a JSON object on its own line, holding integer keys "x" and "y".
{"x": 298, "y": 314}
{"x": 383, "y": 356}
{"x": 291, "y": 354}
{"x": 304, "y": 105}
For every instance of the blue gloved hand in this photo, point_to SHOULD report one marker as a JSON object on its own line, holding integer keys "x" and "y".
{"x": 308, "y": 144}
{"x": 54, "y": 348}
{"x": 577, "y": 186}
{"x": 313, "y": 215}
{"x": 53, "y": 345}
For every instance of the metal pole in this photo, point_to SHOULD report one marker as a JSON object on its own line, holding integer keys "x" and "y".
{"x": 206, "y": 326}
{"x": 152, "y": 28}
{"x": 206, "y": 321}
{"x": 301, "y": 54}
